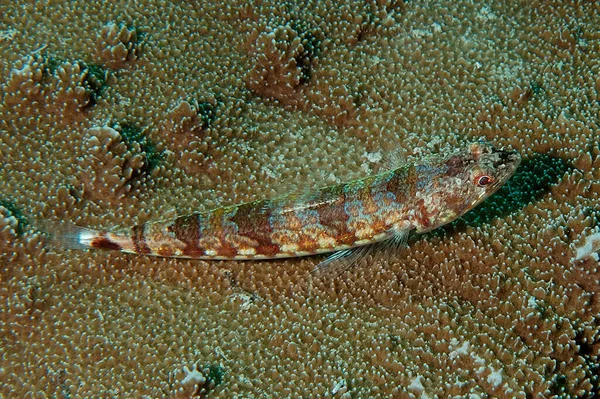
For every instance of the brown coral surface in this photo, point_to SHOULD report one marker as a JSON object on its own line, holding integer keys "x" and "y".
{"x": 115, "y": 113}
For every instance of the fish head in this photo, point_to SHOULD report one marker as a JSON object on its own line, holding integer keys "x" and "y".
{"x": 450, "y": 186}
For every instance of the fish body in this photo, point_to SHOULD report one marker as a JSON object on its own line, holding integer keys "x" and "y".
{"x": 419, "y": 197}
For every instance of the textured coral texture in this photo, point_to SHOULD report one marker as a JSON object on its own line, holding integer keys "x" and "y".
{"x": 116, "y": 113}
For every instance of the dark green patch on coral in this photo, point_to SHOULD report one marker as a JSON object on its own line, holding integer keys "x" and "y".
{"x": 52, "y": 64}
{"x": 536, "y": 88}
{"x": 394, "y": 342}
{"x": 133, "y": 136}
{"x": 206, "y": 112}
{"x": 594, "y": 214}
{"x": 95, "y": 82}
{"x": 15, "y": 212}
{"x": 215, "y": 374}
{"x": 138, "y": 32}
{"x": 558, "y": 386}
{"x": 589, "y": 351}
{"x": 311, "y": 46}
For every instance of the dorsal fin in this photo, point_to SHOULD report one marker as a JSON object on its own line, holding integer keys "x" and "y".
{"x": 391, "y": 155}
{"x": 394, "y": 159}
{"x": 300, "y": 198}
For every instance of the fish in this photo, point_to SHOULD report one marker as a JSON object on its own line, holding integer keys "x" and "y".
{"x": 342, "y": 219}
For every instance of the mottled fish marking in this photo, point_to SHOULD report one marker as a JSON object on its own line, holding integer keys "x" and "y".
{"x": 416, "y": 197}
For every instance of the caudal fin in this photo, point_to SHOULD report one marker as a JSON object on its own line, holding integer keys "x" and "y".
{"x": 68, "y": 236}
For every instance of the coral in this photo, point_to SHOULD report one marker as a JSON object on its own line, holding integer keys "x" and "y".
{"x": 190, "y": 117}
{"x": 25, "y": 81}
{"x": 77, "y": 86}
{"x": 197, "y": 381}
{"x": 590, "y": 249}
{"x": 43, "y": 81}
{"x": 116, "y": 161}
{"x": 13, "y": 220}
{"x": 118, "y": 44}
{"x": 282, "y": 58}
{"x": 231, "y": 101}
{"x": 189, "y": 122}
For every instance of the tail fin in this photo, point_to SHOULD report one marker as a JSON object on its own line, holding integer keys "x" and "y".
{"x": 67, "y": 236}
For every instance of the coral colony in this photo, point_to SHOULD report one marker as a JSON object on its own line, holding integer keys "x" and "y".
{"x": 114, "y": 114}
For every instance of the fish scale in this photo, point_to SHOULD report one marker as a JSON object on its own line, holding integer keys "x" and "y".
{"x": 418, "y": 197}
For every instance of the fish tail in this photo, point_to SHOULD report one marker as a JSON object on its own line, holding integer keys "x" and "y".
{"x": 69, "y": 236}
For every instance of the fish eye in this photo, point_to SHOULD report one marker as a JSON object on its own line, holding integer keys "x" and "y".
{"x": 483, "y": 180}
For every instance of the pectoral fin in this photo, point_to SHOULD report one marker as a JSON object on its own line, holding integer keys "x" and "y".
{"x": 340, "y": 261}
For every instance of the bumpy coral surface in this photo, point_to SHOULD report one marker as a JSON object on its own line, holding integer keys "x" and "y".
{"x": 116, "y": 113}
